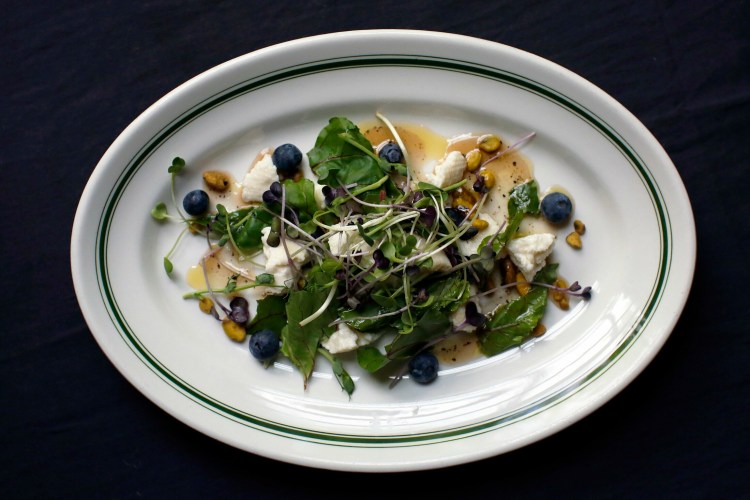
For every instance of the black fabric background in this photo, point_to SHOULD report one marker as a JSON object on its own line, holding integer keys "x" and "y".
{"x": 75, "y": 74}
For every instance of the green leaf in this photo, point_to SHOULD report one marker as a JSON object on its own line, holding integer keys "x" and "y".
{"x": 512, "y": 323}
{"x": 247, "y": 235}
{"x": 368, "y": 310}
{"x": 159, "y": 212}
{"x": 371, "y": 359}
{"x": 168, "y": 267}
{"x": 447, "y": 294}
{"x": 343, "y": 378}
{"x": 336, "y": 159}
{"x": 300, "y": 196}
{"x": 270, "y": 315}
{"x": 411, "y": 242}
{"x": 523, "y": 200}
{"x": 433, "y": 324}
{"x": 264, "y": 279}
{"x": 178, "y": 164}
{"x": 299, "y": 343}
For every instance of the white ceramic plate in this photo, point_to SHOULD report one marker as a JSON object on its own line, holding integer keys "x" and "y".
{"x": 639, "y": 250}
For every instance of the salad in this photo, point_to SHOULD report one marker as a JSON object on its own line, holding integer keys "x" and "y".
{"x": 369, "y": 244}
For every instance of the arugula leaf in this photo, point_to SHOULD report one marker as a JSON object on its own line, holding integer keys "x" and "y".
{"x": 433, "y": 324}
{"x": 336, "y": 159}
{"x": 512, "y": 323}
{"x": 299, "y": 343}
{"x": 371, "y": 359}
{"x": 270, "y": 315}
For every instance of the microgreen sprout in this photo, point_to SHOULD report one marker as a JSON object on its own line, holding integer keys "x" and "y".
{"x": 522, "y": 141}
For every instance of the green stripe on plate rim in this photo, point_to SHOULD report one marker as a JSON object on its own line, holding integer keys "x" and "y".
{"x": 428, "y": 62}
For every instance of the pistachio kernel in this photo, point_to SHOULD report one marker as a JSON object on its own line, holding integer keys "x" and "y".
{"x": 217, "y": 181}
{"x": 473, "y": 160}
{"x": 480, "y": 224}
{"x": 234, "y": 331}
{"x": 539, "y": 330}
{"x": 579, "y": 226}
{"x": 489, "y": 178}
{"x": 206, "y": 304}
{"x": 488, "y": 143}
{"x": 574, "y": 240}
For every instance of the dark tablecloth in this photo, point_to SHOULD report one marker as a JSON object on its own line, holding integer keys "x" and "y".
{"x": 75, "y": 74}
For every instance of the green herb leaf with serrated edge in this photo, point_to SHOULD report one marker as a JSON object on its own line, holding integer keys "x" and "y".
{"x": 299, "y": 343}
{"x": 512, "y": 323}
{"x": 159, "y": 212}
{"x": 371, "y": 359}
{"x": 270, "y": 315}
{"x": 433, "y": 324}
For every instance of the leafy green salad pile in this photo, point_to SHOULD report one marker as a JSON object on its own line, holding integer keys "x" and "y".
{"x": 382, "y": 285}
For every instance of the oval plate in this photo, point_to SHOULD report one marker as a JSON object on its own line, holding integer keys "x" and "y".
{"x": 639, "y": 250}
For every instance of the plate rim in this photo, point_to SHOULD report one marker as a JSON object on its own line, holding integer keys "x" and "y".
{"x": 247, "y": 59}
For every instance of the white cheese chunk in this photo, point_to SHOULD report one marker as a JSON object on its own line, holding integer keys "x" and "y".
{"x": 320, "y": 198}
{"x": 459, "y": 316}
{"x": 258, "y": 179}
{"x": 440, "y": 261}
{"x": 449, "y": 170}
{"x": 470, "y": 247}
{"x": 277, "y": 264}
{"x": 344, "y": 339}
{"x": 529, "y": 252}
{"x": 344, "y": 240}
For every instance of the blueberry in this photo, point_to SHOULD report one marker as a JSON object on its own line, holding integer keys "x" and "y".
{"x": 287, "y": 159}
{"x": 195, "y": 202}
{"x": 264, "y": 344}
{"x": 391, "y": 153}
{"x": 556, "y": 207}
{"x": 423, "y": 367}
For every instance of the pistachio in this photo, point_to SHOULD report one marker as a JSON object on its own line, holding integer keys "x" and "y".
{"x": 206, "y": 304}
{"x": 480, "y": 224}
{"x": 523, "y": 287}
{"x": 489, "y": 178}
{"x": 234, "y": 331}
{"x": 574, "y": 240}
{"x": 218, "y": 181}
{"x": 488, "y": 143}
{"x": 579, "y": 226}
{"x": 473, "y": 159}
{"x": 539, "y": 330}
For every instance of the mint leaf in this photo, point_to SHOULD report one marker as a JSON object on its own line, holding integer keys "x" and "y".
{"x": 512, "y": 323}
